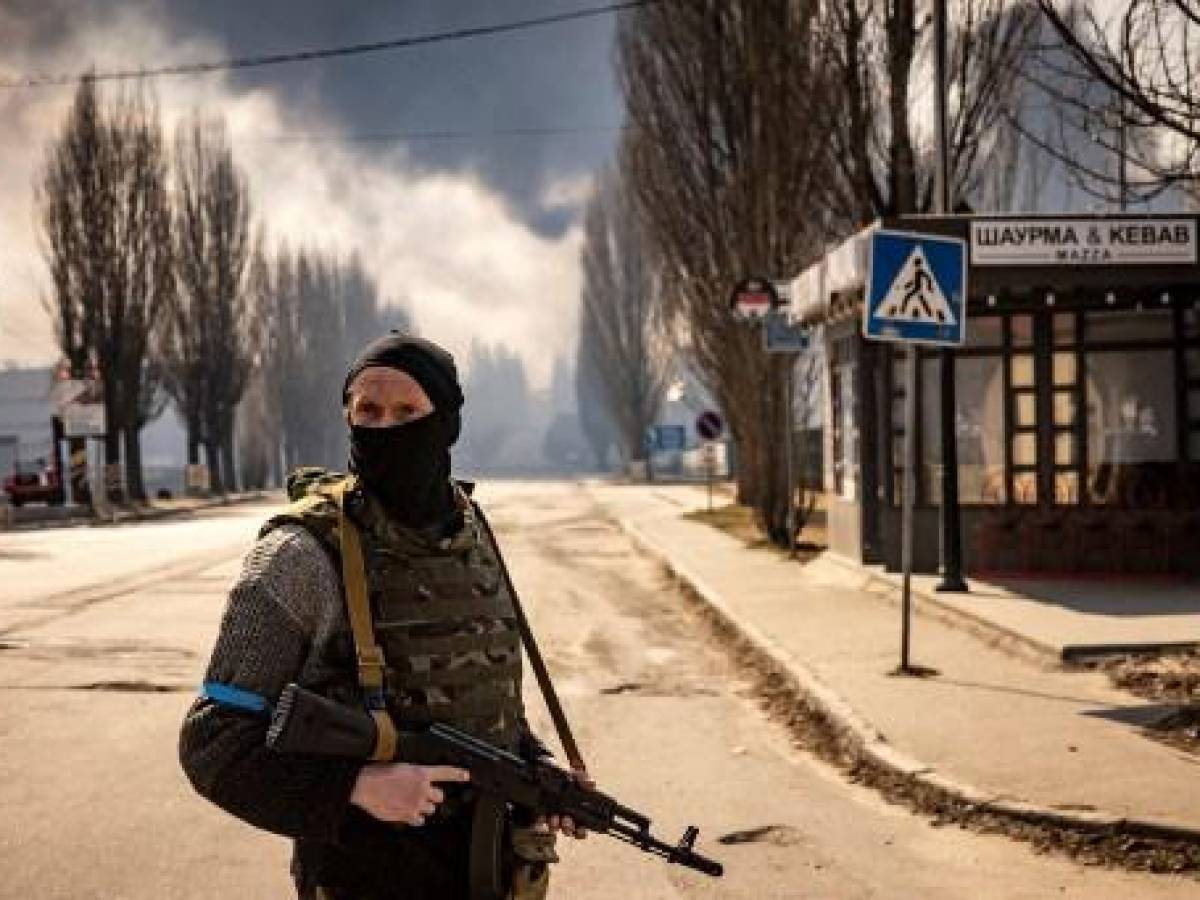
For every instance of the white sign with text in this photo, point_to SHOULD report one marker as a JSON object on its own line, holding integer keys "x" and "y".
{"x": 1082, "y": 242}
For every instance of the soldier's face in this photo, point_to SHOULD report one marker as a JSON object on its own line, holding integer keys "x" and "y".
{"x": 382, "y": 397}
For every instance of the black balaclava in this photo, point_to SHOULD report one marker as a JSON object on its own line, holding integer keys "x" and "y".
{"x": 408, "y": 466}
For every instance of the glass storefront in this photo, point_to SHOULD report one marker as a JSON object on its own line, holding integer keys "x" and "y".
{"x": 1094, "y": 408}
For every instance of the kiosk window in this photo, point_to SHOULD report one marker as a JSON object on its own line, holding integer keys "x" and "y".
{"x": 1131, "y": 425}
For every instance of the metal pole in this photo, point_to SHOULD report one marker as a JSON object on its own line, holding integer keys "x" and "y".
{"x": 909, "y": 490}
{"x": 1122, "y": 172}
{"x": 951, "y": 518}
{"x": 791, "y": 435}
{"x": 941, "y": 196}
{"x": 709, "y": 464}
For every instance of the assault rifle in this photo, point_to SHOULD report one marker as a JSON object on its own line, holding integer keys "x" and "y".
{"x": 304, "y": 722}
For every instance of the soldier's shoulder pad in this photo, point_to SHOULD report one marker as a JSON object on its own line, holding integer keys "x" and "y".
{"x": 313, "y": 506}
{"x": 307, "y": 480}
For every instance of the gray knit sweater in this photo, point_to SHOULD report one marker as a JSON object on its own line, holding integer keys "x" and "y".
{"x": 285, "y": 621}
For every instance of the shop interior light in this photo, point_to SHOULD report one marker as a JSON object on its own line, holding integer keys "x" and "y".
{"x": 1049, "y": 298}
{"x": 1165, "y": 298}
{"x": 991, "y": 300}
{"x": 1110, "y": 298}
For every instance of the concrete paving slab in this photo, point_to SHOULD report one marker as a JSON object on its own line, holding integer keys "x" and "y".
{"x": 1076, "y": 617}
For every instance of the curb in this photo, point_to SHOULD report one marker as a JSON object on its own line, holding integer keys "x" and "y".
{"x": 859, "y": 742}
{"x": 126, "y": 516}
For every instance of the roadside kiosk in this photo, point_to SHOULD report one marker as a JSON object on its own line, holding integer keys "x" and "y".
{"x": 1077, "y": 415}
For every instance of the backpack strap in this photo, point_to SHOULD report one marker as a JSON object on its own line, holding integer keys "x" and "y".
{"x": 368, "y": 653}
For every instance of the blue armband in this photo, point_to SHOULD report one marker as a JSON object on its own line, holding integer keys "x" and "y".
{"x": 235, "y": 698}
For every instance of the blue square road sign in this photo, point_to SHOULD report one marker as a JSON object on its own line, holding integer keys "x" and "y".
{"x": 916, "y": 289}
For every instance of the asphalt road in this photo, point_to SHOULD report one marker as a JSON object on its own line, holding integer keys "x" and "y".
{"x": 104, "y": 634}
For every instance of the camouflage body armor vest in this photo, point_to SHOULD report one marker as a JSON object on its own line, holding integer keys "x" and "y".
{"x": 442, "y": 611}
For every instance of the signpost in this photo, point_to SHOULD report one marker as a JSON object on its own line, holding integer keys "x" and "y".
{"x": 83, "y": 420}
{"x": 916, "y": 289}
{"x": 196, "y": 479}
{"x": 783, "y": 336}
{"x": 77, "y": 397}
{"x": 669, "y": 437}
{"x": 753, "y": 298}
{"x": 916, "y": 294}
{"x": 710, "y": 426}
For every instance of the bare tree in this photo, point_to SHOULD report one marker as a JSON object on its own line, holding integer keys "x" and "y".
{"x": 261, "y": 426}
{"x": 1130, "y": 87}
{"x": 877, "y": 57}
{"x": 728, "y": 169}
{"x": 70, "y": 212}
{"x": 144, "y": 276}
{"x": 105, "y": 215}
{"x": 210, "y": 340}
{"x": 622, "y": 315}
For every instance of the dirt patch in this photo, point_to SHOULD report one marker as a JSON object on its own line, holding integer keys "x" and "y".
{"x": 1165, "y": 677}
{"x": 739, "y": 522}
{"x": 1179, "y": 729}
{"x": 1158, "y": 676}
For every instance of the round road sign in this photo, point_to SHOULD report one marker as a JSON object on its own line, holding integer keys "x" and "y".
{"x": 753, "y": 298}
{"x": 709, "y": 425}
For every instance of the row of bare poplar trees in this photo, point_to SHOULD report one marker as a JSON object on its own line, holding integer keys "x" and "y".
{"x": 758, "y": 133}
{"x": 161, "y": 283}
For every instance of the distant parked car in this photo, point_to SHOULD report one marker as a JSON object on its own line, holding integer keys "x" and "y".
{"x": 34, "y": 484}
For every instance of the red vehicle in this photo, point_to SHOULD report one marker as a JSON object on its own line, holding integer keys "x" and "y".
{"x": 36, "y": 483}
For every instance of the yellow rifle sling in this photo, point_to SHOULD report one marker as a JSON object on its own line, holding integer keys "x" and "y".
{"x": 358, "y": 606}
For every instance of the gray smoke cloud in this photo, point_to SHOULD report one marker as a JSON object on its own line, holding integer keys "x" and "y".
{"x": 478, "y": 236}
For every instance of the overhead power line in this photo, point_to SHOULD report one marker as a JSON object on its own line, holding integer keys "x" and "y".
{"x": 432, "y": 136}
{"x": 401, "y": 43}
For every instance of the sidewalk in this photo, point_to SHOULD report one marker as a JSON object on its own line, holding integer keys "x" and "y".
{"x": 991, "y": 728}
{"x": 1057, "y": 621}
{"x": 31, "y": 517}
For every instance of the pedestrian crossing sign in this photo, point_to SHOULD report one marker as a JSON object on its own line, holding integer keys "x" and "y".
{"x": 916, "y": 289}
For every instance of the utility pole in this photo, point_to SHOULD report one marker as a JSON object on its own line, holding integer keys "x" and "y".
{"x": 952, "y": 577}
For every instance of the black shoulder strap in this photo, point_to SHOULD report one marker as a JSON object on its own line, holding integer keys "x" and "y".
{"x": 535, "y": 656}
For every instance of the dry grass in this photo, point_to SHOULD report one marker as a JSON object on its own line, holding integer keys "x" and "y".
{"x": 739, "y": 522}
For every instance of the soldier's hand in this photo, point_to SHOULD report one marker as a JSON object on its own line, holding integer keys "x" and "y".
{"x": 566, "y": 824}
{"x": 402, "y": 793}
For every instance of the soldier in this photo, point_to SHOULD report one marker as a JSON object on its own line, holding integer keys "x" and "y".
{"x": 443, "y": 616}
